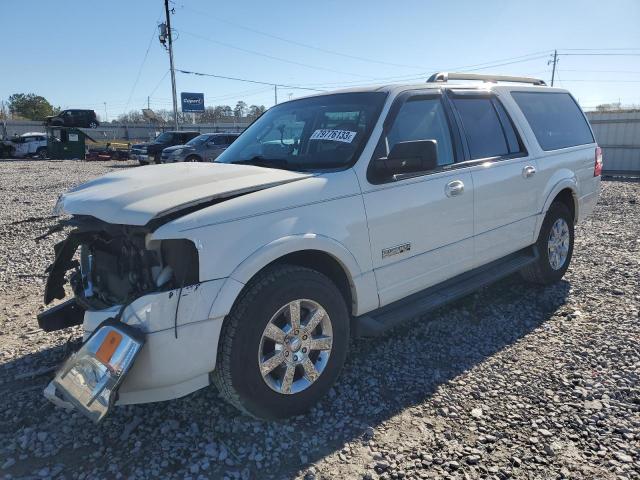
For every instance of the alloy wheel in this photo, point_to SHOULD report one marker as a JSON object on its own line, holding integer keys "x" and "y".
{"x": 558, "y": 244}
{"x": 295, "y": 346}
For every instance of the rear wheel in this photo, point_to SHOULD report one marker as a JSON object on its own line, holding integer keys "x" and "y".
{"x": 93, "y": 124}
{"x": 555, "y": 246}
{"x": 192, "y": 158}
{"x": 283, "y": 344}
{"x": 41, "y": 153}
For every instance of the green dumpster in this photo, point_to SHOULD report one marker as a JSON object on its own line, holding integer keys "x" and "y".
{"x": 66, "y": 143}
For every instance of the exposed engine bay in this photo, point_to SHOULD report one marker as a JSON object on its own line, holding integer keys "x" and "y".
{"x": 116, "y": 265}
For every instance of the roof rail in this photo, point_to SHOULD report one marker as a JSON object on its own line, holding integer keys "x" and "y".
{"x": 444, "y": 77}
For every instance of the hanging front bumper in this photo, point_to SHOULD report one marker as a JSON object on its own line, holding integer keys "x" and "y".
{"x": 89, "y": 379}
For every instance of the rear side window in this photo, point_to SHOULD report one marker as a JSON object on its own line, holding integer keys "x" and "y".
{"x": 555, "y": 118}
{"x": 482, "y": 127}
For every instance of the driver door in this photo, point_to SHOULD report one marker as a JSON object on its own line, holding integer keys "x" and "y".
{"x": 421, "y": 225}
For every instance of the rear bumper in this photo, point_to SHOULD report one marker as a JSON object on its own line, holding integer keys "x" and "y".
{"x": 588, "y": 201}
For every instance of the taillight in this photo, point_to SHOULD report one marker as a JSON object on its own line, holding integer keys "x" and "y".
{"x": 597, "y": 169}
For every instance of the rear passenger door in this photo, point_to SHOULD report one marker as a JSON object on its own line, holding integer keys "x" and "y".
{"x": 504, "y": 175}
{"x": 421, "y": 225}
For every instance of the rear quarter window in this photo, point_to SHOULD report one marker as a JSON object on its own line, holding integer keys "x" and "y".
{"x": 555, "y": 118}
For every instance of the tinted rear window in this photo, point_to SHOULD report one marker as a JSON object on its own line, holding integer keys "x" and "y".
{"x": 555, "y": 118}
{"x": 482, "y": 127}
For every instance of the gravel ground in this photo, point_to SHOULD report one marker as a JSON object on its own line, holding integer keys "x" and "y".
{"x": 516, "y": 381}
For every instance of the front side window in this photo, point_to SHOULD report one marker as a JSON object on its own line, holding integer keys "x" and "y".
{"x": 555, "y": 118}
{"x": 164, "y": 137}
{"x": 199, "y": 140}
{"x": 316, "y": 133}
{"x": 420, "y": 118}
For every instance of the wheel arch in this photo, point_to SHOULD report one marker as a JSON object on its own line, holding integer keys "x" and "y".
{"x": 314, "y": 251}
{"x": 565, "y": 191}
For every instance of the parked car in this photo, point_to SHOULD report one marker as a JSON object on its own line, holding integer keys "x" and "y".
{"x": 203, "y": 148}
{"x": 151, "y": 152}
{"x": 331, "y": 215}
{"x": 31, "y": 144}
{"x": 73, "y": 118}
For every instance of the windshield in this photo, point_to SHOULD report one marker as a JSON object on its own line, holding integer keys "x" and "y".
{"x": 199, "y": 140}
{"x": 164, "y": 137}
{"x": 323, "y": 132}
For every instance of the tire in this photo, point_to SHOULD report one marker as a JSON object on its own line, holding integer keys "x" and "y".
{"x": 193, "y": 158}
{"x": 41, "y": 153}
{"x": 242, "y": 343}
{"x": 93, "y": 124}
{"x": 548, "y": 268}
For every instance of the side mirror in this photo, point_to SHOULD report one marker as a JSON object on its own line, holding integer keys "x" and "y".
{"x": 406, "y": 158}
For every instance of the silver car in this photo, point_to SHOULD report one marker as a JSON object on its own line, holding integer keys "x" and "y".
{"x": 203, "y": 148}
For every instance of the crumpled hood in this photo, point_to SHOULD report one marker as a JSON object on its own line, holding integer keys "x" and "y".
{"x": 137, "y": 195}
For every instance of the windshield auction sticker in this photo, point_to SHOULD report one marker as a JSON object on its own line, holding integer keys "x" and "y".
{"x": 336, "y": 135}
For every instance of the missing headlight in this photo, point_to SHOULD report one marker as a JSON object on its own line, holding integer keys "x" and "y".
{"x": 182, "y": 257}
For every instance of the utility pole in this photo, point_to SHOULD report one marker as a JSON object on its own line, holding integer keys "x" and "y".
{"x": 173, "y": 72}
{"x": 554, "y": 61}
{"x": 148, "y": 102}
{"x": 106, "y": 117}
{"x": 275, "y": 93}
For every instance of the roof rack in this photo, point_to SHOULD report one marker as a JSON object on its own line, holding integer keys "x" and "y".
{"x": 443, "y": 77}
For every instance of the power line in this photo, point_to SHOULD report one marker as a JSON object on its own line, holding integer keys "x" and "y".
{"x": 612, "y": 80}
{"x": 144, "y": 59}
{"x": 159, "y": 83}
{"x": 601, "y": 54}
{"x": 597, "y": 49}
{"x": 301, "y": 44}
{"x": 422, "y": 76}
{"x": 247, "y": 80}
{"x": 272, "y": 57}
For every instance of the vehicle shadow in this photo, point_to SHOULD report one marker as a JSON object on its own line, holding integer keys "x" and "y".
{"x": 382, "y": 377}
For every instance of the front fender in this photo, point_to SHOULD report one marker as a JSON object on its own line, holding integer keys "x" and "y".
{"x": 363, "y": 287}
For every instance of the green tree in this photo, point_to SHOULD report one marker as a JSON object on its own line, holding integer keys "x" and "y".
{"x": 30, "y": 106}
{"x": 240, "y": 110}
{"x": 256, "y": 110}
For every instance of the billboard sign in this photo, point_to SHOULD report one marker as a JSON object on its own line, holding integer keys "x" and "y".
{"x": 192, "y": 102}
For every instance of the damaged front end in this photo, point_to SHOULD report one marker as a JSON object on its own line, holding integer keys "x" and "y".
{"x": 89, "y": 379}
{"x": 107, "y": 266}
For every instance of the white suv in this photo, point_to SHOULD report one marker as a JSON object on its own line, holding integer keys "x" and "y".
{"x": 337, "y": 214}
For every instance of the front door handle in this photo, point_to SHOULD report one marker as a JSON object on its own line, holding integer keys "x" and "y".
{"x": 528, "y": 171}
{"x": 454, "y": 188}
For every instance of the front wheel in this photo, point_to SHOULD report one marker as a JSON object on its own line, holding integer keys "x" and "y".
{"x": 283, "y": 344}
{"x": 93, "y": 125}
{"x": 42, "y": 153}
{"x": 192, "y": 158}
{"x": 555, "y": 247}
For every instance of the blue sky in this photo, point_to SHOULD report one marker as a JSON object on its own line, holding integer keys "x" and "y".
{"x": 80, "y": 53}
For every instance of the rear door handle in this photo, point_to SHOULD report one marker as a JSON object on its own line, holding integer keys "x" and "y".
{"x": 454, "y": 188}
{"x": 528, "y": 171}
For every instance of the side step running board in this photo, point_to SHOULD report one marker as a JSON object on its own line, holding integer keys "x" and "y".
{"x": 389, "y": 316}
